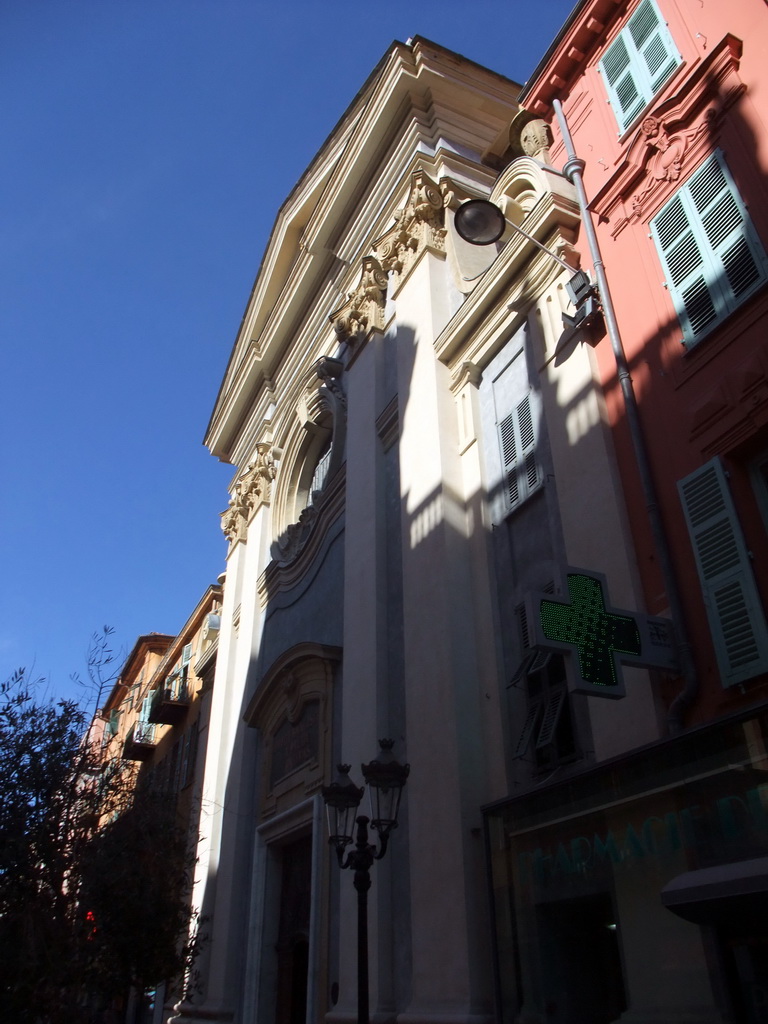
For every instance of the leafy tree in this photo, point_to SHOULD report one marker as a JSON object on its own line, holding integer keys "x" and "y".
{"x": 136, "y": 878}
{"x": 45, "y": 820}
{"x": 86, "y": 909}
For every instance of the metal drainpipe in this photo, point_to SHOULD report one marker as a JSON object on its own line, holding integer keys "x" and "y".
{"x": 573, "y": 171}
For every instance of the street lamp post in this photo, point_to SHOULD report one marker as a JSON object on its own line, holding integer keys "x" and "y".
{"x": 386, "y": 778}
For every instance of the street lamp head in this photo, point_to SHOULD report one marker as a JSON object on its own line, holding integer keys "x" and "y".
{"x": 386, "y": 778}
{"x": 480, "y": 222}
{"x": 342, "y": 799}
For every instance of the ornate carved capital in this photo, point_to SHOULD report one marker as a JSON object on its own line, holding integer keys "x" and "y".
{"x": 256, "y": 483}
{"x": 364, "y": 309}
{"x": 536, "y": 140}
{"x": 234, "y": 522}
{"x": 251, "y": 491}
{"x": 418, "y": 226}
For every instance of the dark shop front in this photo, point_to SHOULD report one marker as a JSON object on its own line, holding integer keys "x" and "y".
{"x": 638, "y": 890}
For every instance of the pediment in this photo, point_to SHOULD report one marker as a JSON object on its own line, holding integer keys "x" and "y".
{"x": 421, "y": 100}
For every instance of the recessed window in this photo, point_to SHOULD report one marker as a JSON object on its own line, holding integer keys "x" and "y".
{"x": 638, "y": 63}
{"x": 709, "y": 249}
{"x": 517, "y": 411}
{"x": 320, "y": 475}
{"x": 735, "y": 612}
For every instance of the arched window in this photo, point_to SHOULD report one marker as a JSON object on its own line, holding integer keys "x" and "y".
{"x": 313, "y": 454}
{"x": 320, "y": 474}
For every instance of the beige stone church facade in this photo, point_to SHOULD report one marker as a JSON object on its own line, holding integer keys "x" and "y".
{"x": 416, "y": 449}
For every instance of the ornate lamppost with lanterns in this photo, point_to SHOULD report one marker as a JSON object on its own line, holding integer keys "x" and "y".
{"x": 385, "y": 778}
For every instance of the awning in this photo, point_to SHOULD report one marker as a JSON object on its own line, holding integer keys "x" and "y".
{"x": 728, "y": 895}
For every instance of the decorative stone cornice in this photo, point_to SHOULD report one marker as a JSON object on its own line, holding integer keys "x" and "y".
{"x": 418, "y": 227}
{"x": 364, "y": 309}
{"x": 252, "y": 490}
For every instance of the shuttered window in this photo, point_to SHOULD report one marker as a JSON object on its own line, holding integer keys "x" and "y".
{"x": 146, "y": 708}
{"x": 709, "y": 249}
{"x": 517, "y": 413}
{"x": 733, "y": 605}
{"x": 186, "y": 657}
{"x": 518, "y": 449}
{"x": 638, "y": 63}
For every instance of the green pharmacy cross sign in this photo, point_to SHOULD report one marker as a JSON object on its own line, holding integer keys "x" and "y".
{"x": 601, "y": 637}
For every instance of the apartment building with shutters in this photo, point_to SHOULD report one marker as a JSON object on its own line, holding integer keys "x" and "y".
{"x": 156, "y": 734}
{"x": 649, "y": 871}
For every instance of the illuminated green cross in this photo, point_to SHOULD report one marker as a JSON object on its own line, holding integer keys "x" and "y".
{"x": 595, "y": 633}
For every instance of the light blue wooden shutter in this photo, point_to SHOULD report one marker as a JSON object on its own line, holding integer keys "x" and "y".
{"x": 517, "y": 437}
{"x": 638, "y": 63}
{"x": 186, "y": 656}
{"x": 144, "y": 730}
{"x": 709, "y": 249}
{"x": 621, "y": 82}
{"x": 654, "y": 45}
{"x": 733, "y": 605}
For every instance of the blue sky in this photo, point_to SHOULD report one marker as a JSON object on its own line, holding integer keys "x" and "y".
{"x": 146, "y": 148}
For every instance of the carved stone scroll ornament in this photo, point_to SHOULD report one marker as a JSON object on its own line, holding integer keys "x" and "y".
{"x": 667, "y": 162}
{"x": 251, "y": 491}
{"x": 364, "y": 309}
{"x": 417, "y": 226}
{"x": 292, "y": 541}
{"x": 329, "y": 371}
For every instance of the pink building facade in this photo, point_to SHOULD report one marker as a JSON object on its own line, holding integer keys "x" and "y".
{"x": 667, "y": 106}
{"x": 637, "y": 891}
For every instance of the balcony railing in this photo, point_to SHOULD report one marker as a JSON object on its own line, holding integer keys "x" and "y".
{"x": 140, "y": 741}
{"x": 170, "y": 702}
